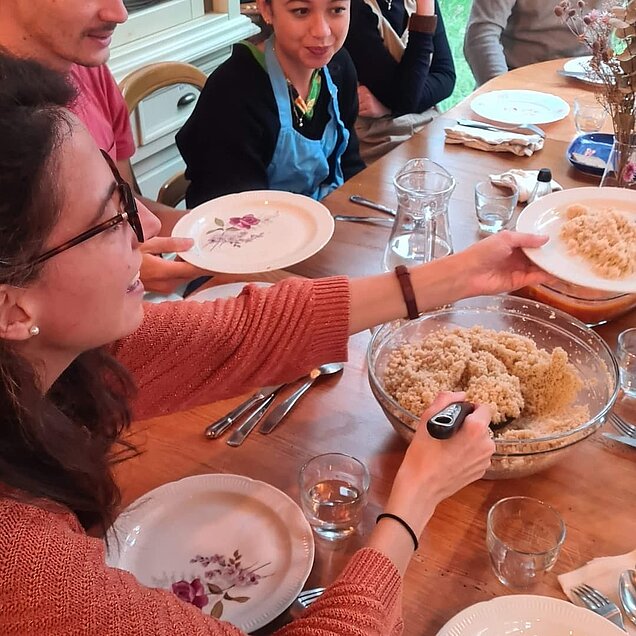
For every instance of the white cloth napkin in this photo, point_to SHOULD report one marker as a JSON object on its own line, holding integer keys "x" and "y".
{"x": 494, "y": 140}
{"x": 525, "y": 180}
{"x": 602, "y": 574}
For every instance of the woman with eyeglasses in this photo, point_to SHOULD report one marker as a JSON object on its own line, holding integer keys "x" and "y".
{"x": 75, "y": 341}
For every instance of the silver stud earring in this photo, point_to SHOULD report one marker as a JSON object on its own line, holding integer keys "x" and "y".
{"x": 34, "y": 330}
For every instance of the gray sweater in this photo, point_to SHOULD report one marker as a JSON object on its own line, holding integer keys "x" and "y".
{"x": 506, "y": 34}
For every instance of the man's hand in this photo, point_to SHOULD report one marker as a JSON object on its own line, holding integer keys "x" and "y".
{"x": 164, "y": 276}
{"x": 369, "y": 105}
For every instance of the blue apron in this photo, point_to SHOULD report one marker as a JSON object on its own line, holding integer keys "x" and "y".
{"x": 305, "y": 166}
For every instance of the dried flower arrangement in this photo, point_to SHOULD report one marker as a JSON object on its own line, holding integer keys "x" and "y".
{"x": 610, "y": 34}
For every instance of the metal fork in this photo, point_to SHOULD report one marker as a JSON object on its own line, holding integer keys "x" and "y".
{"x": 620, "y": 424}
{"x": 597, "y": 602}
{"x": 307, "y": 597}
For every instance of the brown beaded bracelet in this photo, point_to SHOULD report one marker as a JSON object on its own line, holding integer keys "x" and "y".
{"x": 389, "y": 515}
{"x": 404, "y": 278}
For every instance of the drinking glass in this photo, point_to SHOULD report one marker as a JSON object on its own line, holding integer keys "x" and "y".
{"x": 333, "y": 493}
{"x": 524, "y": 537}
{"x": 495, "y": 205}
{"x": 626, "y": 358}
{"x": 589, "y": 115}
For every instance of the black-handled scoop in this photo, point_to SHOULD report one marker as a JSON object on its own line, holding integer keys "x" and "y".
{"x": 449, "y": 420}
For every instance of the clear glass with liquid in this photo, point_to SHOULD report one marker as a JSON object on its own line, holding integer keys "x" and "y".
{"x": 421, "y": 230}
{"x": 494, "y": 206}
{"x": 333, "y": 494}
{"x": 626, "y": 358}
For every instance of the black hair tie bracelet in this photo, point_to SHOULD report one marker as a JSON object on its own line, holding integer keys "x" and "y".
{"x": 388, "y": 515}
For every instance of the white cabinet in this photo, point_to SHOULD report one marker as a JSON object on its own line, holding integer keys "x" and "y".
{"x": 193, "y": 31}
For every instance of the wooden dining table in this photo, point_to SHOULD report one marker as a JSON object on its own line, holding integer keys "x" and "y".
{"x": 593, "y": 489}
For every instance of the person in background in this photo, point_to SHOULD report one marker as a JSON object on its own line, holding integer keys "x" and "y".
{"x": 404, "y": 65}
{"x": 75, "y": 339}
{"x": 505, "y": 34}
{"x": 74, "y": 37}
{"x": 279, "y": 116}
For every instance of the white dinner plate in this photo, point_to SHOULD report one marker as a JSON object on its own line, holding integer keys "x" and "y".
{"x": 255, "y": 231}
{"x": 581, "y": 65}
{"x": 210, "y": 527}
{"x": 545, "y": 216}
{"x": 528, "y": 615}
{"x": 520, "y": 107}
{"x": 229, "y": 290}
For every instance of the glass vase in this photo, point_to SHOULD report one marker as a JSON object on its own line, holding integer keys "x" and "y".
{"x": 620, "y": 170}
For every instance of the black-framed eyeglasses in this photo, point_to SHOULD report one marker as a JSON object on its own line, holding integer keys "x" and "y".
{"x": 130, "y": 213}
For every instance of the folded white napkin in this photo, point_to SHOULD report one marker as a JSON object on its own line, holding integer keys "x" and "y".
{"x": 494, "y": 140}
{"x": 602, "y": 574}
{"x": 525, "y": 180}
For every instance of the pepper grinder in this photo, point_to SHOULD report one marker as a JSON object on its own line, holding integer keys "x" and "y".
{"x": 543, "y": 185}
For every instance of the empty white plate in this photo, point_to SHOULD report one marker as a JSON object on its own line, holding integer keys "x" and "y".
{"x": 520, "y": 107}
{"x": 528, "y": 615}
{"x": 229, "y": 290}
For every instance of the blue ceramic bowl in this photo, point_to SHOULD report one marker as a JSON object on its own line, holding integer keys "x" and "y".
{"x": 587, "y": 152}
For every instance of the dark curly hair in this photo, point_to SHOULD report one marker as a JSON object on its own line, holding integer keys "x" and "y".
{"x": 56, "y": 448}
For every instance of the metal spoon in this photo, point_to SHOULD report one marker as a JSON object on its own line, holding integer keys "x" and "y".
{"x": 627, "y": 593}
{"x": 275, "y": 417}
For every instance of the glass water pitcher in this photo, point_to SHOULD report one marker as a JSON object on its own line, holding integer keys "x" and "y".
{"x": 421, "y": 230}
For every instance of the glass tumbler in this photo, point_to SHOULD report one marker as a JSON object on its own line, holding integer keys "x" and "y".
{"x": 626, "y": 358}
{"x": 589, "y": 115}
{"x": 524, "y": 537}
{"x": 495, "y": 205}
{"x": 333, "y": 494}
{"x": 421, "y": 231}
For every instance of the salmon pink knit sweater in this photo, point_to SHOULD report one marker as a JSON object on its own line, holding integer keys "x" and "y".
{"x": 53, "y": 577}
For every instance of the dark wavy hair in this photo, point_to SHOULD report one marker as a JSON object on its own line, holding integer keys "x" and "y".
{"x": 55, "y": 448}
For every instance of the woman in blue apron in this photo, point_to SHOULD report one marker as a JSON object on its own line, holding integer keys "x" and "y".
{"x": 280, "y": 116}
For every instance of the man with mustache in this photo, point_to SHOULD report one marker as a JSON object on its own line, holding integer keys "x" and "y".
{"x": 73, "y": 36}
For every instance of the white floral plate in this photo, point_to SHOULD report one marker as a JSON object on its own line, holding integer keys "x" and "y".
{"x": 247, "y": 543}
{"x": 545, "y": 216}
{"x": 520, "y": 107}
{"x": 528, "y": 615}
{"x": 256, "y": 231}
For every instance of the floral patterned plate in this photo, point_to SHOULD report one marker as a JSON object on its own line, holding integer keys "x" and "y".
{"x": 237, "y": 548}
{"x": 256, "y": 231}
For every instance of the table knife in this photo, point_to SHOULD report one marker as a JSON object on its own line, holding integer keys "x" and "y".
{"x": 363, "y": 219}
{"x": 356, "y": 198}
{"x": 623, "y": 439}
{"x": 216, "y": 429}
{"x": 471, "y": 123}
{"x": 239, "y": 435}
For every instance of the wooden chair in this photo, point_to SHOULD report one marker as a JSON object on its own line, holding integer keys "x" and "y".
{"x": 141, "y": 83}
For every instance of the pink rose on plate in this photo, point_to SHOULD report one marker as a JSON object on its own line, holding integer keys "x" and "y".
{"x": 245, "y": 222}
{"x": 193, "y": 592}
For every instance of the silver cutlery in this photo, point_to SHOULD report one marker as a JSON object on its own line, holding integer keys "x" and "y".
{"x": 363, "y": 219}
{"x": 277, "y": 415}
{"x": 307, "y": 597}
{"x": 239, "y": 435}
{"x": 627, "y": 593}
{"x": 622, "y": 426}
{"x": 356, "y": 198}
{"x": 597, "y": 602}
{"x": 623, "y": 439}
{"x": 216, "y": 429}
{"x": 470, "y": 123}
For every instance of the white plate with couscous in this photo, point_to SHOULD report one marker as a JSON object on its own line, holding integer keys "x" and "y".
{"x": 592, "y": 237}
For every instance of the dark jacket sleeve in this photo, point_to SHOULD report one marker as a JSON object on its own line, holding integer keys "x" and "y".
{"x": 425, "y": 75}
{"x": 344, "y": 74}
{"x": 228, "y": 141}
